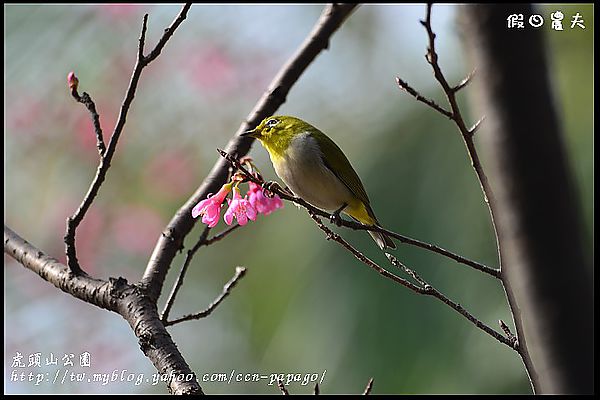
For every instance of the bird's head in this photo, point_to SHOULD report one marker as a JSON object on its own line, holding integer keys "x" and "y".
{"x": 276, "y": 132}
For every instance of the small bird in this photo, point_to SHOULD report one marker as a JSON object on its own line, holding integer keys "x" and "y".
{"x": 314, "y": 168}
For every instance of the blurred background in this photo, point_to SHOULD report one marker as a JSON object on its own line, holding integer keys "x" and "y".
{"x": 306, "y": 305}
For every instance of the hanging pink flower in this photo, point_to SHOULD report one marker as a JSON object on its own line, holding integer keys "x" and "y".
{"x": 210, "y": 208}
{"x": 262, "y": 203}
{"x": 240, "y": 208}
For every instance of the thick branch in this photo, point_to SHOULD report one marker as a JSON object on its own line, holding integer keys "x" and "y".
{"x": 113, "y": 295}
{"x": 182, "y": 222}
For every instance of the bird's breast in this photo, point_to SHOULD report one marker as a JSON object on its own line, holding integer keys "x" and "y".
{"x": 302, "y": 169}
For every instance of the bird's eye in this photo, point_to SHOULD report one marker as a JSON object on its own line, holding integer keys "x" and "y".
{"x": 272, "y": 122}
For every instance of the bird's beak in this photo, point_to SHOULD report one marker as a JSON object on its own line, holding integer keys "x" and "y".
{"x": 250, "y": 133}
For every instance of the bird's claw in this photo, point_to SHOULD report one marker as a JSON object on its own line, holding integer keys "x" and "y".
{"x": 335, "y": 217}
{"x": 270, "y": 187}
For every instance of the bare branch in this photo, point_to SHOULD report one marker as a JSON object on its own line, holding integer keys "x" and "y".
{"x": 464, "y": 82}
{"x": 168, "y": 33}
{"x": 114, "y": 295}
{"x": 182, "y": 222}
{"x": 507, "y": 332}
{"x": 202, "y": 241}
{"x": 369, "y": 387}
{"x": 466, "y": 133}
{"x": 425, "y": 288}
{"x": 240, "y": 272}
{"x": 281, "y": 387}
{"x": 419, "y": 97}
{"x": 361, "y": 257}
{"x": 87, "y": 101}
{"x": 431, "y": 291}
{"x": 179, "y": 282}
{"x": 476, "y": 126}
{"x": 221, "y": 235}
{"x": 106, "y": 156}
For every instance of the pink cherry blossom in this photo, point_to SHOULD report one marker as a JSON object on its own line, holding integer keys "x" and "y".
{"x": 262, "y": 203}
{"x": 240, "y": 208}
{"x": 210, "y": 208}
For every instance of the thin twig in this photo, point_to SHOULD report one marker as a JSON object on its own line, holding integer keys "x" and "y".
{"x": 202, "y": 241}
{"x": 476, "y": 126}
{"x": 410, "y": 90}
{"x": 369, "y": 387}
{"x": 431, "y": 291}
{"x": 282, "y": 387}
{"x": 467, "y": 134}
{"x": 221, "y": 235}
{"x": 425, "y": 289}
{"x": 464, "y": 82}
{"x": 106, "y": 157}
{"x": 507, "y": 332}
{"x": 188, "y": 259}
{"x": 361, "y": 257}
{"x": 357, "y": 226}
{"x": 240, "y": 272}
{"x": 317, "y": 390}
{"x": 87, "y": 101}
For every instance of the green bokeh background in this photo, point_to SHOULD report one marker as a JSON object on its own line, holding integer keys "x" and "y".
{"x": 306, "y": 305}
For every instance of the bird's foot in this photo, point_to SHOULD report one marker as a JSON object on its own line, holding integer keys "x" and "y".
{"x": 270, "y": 187}
{"x": 335, "y": 217}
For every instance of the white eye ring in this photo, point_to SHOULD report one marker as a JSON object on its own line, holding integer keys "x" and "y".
{"x": 272, "y": 122}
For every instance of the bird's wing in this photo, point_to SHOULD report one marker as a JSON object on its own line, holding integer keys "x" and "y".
{"x": 337, "y": 163}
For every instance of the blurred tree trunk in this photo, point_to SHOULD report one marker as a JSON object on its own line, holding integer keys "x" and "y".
{"x": 544, "y": 270}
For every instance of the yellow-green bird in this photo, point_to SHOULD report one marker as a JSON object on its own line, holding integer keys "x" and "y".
{"x": 316, "y": 169}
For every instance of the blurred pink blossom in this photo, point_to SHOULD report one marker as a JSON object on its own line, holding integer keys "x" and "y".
{"x": 170, "y": 174}
{"x": 137, "y": 228}
{"x": 211, "y": 68}
{"x": 23, "y": 115}
{"x": 119, "y": 10}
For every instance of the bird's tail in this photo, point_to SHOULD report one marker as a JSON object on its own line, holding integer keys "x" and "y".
{"x": 382, "y": 240}
{"x": 365, "y": 215}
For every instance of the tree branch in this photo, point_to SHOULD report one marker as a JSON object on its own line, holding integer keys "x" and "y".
{"x": 240, "y": 272}
{"x": 182, "y": 222}
{"x": 282, "y": 388}
{"x": 424, "y": 289}
{"x": 179, "y": 282}
{"x": 369, "y": 387}
{"x": 106, "y": 157}
{"x": 202, "y": 241}
{"x": 114, "y": 295}
{"x": 466, "y": 133}
{"x": 87, "y": 101}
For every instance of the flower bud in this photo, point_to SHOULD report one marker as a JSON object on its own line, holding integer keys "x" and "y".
{"x": 72, "y": 81}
